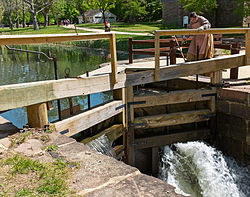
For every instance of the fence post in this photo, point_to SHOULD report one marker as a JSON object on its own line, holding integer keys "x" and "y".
{"x": 113, "y": 58}
{"x": 157, "y": 56}
{"x": 172, "y": 52}
{"x": 247, "y": 37}
{"x": 37, "y": 115}
{"x": 234, "y": 50}
{"x": 130, "y": 50}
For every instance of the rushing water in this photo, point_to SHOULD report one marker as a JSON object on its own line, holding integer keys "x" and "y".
{"x": 19, "y": 67}
{"x": 102, "y": 145}
{"x": 198, "y": 169}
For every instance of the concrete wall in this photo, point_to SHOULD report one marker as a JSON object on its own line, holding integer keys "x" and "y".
{"x": 233, "y": 122}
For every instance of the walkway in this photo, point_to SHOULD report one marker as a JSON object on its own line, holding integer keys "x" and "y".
{"x": 71, "y": 26}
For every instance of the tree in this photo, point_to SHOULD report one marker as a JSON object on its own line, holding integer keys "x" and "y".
{"x": 8, "y": 8}
{"x": 243, "y": 7}
{"x": 36, "y": 6}
{"x": 104, "y": 5}
{"x": 83, "y": 6}
{"x": 198, "y": 6}
{"x": 134, "y": 9}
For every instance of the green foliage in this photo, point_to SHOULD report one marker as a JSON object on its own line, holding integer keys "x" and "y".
{"x": 52, "y": 148}
{"x": 198, "y": 6}
{"x": 24, "y": 193}
{"x": 51, "y": 179}
{"x": 243, "y": 7}
{"x": 24, "y": 165}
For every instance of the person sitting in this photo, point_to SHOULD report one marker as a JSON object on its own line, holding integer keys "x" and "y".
{"x": 200, "y": 44}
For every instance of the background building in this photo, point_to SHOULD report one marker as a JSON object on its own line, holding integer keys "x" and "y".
{"x": 95, "y": 16}
{"x": 223, "y": 16}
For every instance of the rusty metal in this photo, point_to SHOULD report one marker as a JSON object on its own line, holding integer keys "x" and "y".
{"x": 67, "y": 75}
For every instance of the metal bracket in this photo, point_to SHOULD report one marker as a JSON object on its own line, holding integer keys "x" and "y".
{"x": 206, "y": 95}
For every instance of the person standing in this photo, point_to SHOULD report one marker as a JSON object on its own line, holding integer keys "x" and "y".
{"x": 203, "y": 42}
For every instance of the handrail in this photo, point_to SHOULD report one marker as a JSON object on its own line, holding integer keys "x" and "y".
{"x": 54, "y": 38}
{"x": 159, "y": 33}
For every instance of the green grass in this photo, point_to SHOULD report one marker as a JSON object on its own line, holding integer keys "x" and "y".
{"x": 54, "y": 29}
{"x": 50, "y": 179}
{"x": 126, "y": 27}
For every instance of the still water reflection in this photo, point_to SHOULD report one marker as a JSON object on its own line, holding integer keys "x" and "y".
{"x": 21, "y": 67}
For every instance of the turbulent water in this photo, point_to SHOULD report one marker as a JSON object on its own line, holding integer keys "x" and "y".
{"x": 102, "y": 145}
{"x": 199, "y": 170}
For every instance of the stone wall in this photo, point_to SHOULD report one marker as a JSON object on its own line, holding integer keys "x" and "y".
{"x": 233, "y": 122}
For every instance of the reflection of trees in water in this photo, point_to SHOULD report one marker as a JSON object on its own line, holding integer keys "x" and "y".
{"x": 21, "y": 67}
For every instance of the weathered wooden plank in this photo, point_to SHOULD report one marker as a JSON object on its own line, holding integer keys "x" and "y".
{"x": 37, "y": 115}
{"x": 173, "y": 97}
{"x": 186, "y": 69}
{"x": 25, "y": 94}
{"x": 112, "y": 134}
{"x": 157, "y": 57}
{"x": 164, "y": 140}
{"x": 247, "y": 35}
{"x": 113, "y": 58}
{"x": 155, "y": 161}
{"x": 130, "y": 137}
{"x": 196, "y": 31}
{"x": 49, "y": 38}
{"x": 163, "y": 120}
{"x": 85, "y": 120}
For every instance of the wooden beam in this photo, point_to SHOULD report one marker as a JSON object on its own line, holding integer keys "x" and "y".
{"x": 247, "y": 37}
{"x": 164, "y": 140}
{"x": 183, "y": 96}
{"x": 155, "y": 161}
{"x": 49, "y": 38}
{"x": 112, "y": 134}
{"x": 25, "y": 94}
{"x": 130, "y": 137}
{"x": 196, "y": 31}
{"x": 163, "y": 120}
{"x": 37, "y": 115}
{"x": 113, "y": 58}
{"x": 186, "y": 69}
{"x": 157, "y": 57}
{"x": 85, "y": 120}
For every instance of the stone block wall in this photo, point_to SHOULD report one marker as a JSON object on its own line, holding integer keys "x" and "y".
{"x": 233, "y": 122}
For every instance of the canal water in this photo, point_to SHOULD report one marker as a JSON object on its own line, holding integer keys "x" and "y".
{"x": 20, "y": 67}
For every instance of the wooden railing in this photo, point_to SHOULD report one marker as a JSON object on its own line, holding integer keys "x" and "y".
{"x": 36, "y": 94}
{"x": 160, "y": 33}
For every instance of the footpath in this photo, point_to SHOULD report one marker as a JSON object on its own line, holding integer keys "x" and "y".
{"x": 71, "y": 26}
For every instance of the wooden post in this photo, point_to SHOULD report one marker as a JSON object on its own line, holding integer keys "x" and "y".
{"x": 113, "y": 58}
{"x": 172, "y": 52}
{"x": 130, "y": 138}
{"x": 247, "y": 36}
{"x": 37, "y": 115}
{"x": 155, "y": 161}
{"x": 157, "y": 56}
{"x": 130, "y": 50}
{"x": 234, "y": 50}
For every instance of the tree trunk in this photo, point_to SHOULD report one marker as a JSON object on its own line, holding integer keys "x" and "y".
{"x": 17, "y": 16}
{"x": 35, "y": 22}
{"x": 46, "y": 19}
{"x": 10, "y": 21}
{"x": 103, "y": 15}
{"x": 24, "y": 19}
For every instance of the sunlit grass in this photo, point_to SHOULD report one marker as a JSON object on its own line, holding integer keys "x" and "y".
{"x": 54, "y": 29}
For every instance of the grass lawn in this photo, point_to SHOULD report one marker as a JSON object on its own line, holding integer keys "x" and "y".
{"x": 126, "y": 27}
{"x": 54, "y": 29}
